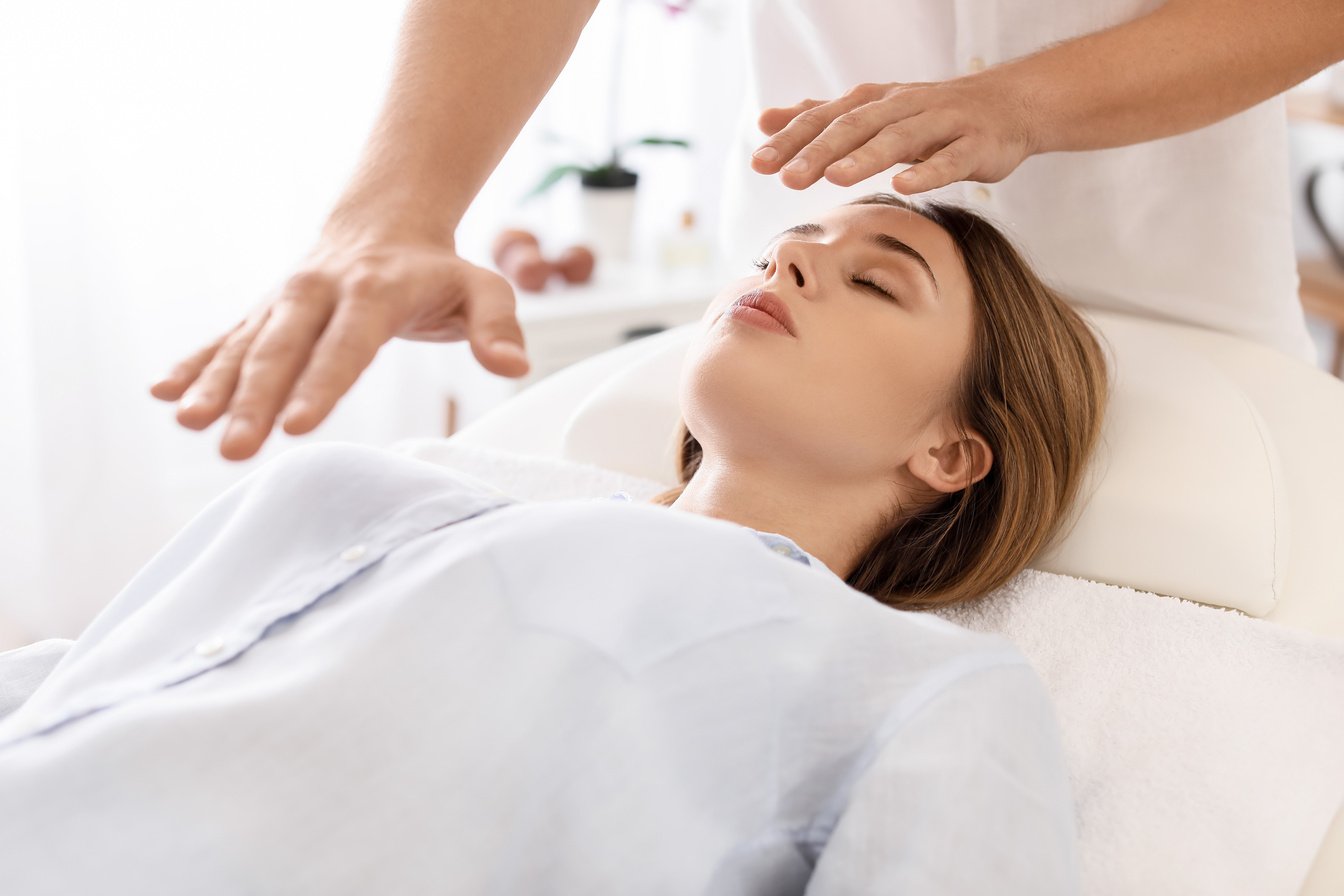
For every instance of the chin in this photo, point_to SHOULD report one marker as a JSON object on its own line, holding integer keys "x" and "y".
{"x": 730, "y": 394}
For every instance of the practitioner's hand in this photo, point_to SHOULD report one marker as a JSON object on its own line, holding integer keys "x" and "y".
{"x": 303, "y": 347}
{"x": 975, "y": 128}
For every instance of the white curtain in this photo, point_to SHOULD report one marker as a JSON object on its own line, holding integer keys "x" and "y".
{"x": 163, "y": 165}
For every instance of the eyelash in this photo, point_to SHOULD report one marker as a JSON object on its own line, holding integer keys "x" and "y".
{"x": 761, "y": 264}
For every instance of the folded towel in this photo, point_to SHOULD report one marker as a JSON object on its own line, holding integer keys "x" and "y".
{"x": 1205, "y": 747}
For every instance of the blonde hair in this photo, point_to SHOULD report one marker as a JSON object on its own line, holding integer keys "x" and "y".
{"x": 1034, "y": 385}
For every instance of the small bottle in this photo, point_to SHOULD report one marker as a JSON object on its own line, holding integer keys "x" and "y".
{"x": 684, "y": 249}
{"x": 1334, "y": 87}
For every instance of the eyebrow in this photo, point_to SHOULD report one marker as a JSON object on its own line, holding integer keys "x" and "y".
{"x": 881, "y": 240}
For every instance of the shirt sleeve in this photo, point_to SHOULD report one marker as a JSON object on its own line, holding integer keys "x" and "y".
{"x": 24, "y": 668}
{"x": 969, "y": 796}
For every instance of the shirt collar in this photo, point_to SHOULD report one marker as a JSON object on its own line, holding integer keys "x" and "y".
{"x": 780, "y": 544}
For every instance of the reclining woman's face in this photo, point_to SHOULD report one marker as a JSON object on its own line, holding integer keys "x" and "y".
{"x": 860, "y": 374}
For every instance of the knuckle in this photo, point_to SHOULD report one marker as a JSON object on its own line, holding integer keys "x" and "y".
{"x": 815, "y": 117}
{"x": 951, "y": 157}
{"x": 304, "y": 283}
{"x": 863, "y": 90}
{"x": 895, "y": 132}
{"x": 364, "y": 282}
{"x": 850, "y": 121}
{"x": 233, "y": 349}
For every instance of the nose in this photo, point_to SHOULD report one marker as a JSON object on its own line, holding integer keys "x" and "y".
{"x": 793, "y": 262}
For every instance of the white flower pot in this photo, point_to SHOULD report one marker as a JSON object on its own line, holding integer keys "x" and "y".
{"x": 607, "y": 221}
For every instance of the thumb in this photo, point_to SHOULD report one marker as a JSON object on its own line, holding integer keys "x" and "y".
{"x": 492, "y": 327}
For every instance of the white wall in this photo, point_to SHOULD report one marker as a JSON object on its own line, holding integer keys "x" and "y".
{"x": 163, "y": 165}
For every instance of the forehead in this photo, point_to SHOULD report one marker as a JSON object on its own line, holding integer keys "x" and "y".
{"x": 856, "y": 222}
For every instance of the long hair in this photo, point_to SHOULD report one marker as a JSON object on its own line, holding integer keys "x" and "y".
{"x": 1034, "y": 385}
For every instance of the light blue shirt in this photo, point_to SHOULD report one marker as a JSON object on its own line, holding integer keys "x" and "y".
{"x": 356, "y": 672}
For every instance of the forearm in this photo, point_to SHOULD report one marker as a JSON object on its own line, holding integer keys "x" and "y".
{"x": 468, "y": 75}
{"x": 1186, "y": 65}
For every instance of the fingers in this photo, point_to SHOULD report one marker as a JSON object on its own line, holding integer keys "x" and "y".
{"x": 357, "y": 330}
{"x": 904, "y": 141}
{"x": 492, "y": 326}
{"x": 773, "y": 118}
{"x": 272, "y": 363}
{"x": 185, "y": 372}
{"x": 209, "y": 395}
{"x": 787, "y": 144}
{"x": 293, "y": 357}
{"x": 954, "y": 162}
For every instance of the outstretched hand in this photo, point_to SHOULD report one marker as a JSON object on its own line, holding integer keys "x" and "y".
{"x": 303, "y": 347}
{"x": 974, "y": 128}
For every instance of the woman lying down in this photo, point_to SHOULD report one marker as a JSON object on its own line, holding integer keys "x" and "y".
{"x": 355, "y": 672}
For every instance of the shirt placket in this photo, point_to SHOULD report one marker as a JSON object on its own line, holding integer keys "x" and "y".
{"x": 977, "y": 48}
{"x": 287, "y": 601}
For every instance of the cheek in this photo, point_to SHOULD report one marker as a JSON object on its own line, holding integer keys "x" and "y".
{"x": 868, "y": 388}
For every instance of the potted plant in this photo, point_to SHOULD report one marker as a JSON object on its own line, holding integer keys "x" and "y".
{"x": 607, "y": 195}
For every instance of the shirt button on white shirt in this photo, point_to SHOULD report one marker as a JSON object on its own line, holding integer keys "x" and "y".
{"x": 210, "y": 647}
{"x": 981, "y": 194}
{"x": 975, "y": 64}
{"x": 353, "y": 553}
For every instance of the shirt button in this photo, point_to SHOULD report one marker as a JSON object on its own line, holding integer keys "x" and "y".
{"x": 783, "y": 549}
{"x": 982, "y": 194}
{"x": 976, "y": 64}
{"x": 210, "y": 647}
{"x": 353, "y": 553}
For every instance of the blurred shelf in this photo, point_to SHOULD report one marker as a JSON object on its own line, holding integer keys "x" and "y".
{"x": 1313, "y": 106}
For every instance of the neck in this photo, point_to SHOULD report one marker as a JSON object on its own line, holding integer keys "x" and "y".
{"x": 829, "y": 520}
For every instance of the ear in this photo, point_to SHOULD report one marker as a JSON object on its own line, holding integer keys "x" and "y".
{"x": 956, "y": 463}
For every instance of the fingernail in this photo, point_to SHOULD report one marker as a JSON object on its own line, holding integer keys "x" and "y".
{"x": 907, "y": 174}
{"x": 240, "y": 429}
{"x": 766, "y": 154}
{"x": 505, "y": 347}
{"x": 189, "y": 402}
{"x": 842, "y": 164}
{"x": 796, "y": 165}
{"x": 296, "y": 409}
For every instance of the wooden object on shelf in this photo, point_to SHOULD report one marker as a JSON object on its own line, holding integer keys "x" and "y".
{"x": 1313, "y": 106}
{"x": 1322, "y": 293}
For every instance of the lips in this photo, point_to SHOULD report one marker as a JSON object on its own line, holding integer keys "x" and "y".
{"x": 771, "y": 304}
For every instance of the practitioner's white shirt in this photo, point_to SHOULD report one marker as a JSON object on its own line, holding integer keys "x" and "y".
{"x": 355, "y": 672}
{"x": 1194, "y": 228}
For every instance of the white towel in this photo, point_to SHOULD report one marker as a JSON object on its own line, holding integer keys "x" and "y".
{"x": 1206, "y": 748}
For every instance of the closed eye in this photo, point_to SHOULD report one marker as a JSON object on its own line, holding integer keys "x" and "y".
{"x": 866, "y": 282}
{"x": 762, "y": 264}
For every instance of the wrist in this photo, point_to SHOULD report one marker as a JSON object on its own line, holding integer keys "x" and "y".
{"x": 390, "y": 216}
{"x": 1029, "y": 101}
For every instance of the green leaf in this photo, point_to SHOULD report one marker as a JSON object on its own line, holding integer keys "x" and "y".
{"x": 551, "y": 177}
{"x": 657, "y": 141}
